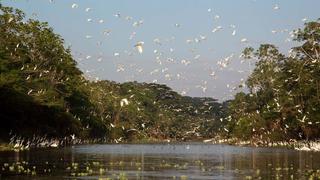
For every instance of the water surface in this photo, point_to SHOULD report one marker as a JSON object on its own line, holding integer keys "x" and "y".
{"x": 159, "y": 161}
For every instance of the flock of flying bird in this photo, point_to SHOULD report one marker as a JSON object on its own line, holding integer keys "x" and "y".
{"x": 166, "y": 60}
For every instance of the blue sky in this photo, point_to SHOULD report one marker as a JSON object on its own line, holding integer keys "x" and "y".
{"x": 173, "y": 22}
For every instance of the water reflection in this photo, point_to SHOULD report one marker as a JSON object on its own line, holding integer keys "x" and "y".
{"x": 160, "y": 161}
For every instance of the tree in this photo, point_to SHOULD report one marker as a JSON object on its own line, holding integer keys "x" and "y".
{"x": 284, "y": 90}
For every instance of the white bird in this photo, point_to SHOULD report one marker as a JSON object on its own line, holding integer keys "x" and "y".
{"x": 208, "y": 140}
{"x": 139, "y": 46}
{"x": 118, "y": 15}
{"x": 216, "y": 29}
{"x": 74, "y": 6}
{"x": 10, "y": 19}
{"x": 183, "y": 93}
{"x": 185, "y": 62}
{"x": 203, "y": 37}
{"x": 244, "y": 40}
{"x": 54, "y": 145}
{"x": 73, "y": 136}
{"x": 233, "y": 32}
{"x": 124, "y": 102}
{"x": 196, "y": 56}
{"x": 188, "y": 41}
{"x": 213, "y": 74}
{"x": 137, "y": 23}
{"x": 132, "y": 130}
{"x": 30, "y": 91}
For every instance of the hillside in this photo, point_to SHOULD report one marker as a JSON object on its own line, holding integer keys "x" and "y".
{"x": 43, "y": 93}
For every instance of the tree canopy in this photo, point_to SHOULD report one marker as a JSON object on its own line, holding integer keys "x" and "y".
{"x": 42, "y": 92}
{"x": 283, "y": 100}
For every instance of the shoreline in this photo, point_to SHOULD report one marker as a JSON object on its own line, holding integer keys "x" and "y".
{"x": 301, "y": 145}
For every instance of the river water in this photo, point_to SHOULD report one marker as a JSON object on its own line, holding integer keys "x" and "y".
{"x": 159, "y": 161}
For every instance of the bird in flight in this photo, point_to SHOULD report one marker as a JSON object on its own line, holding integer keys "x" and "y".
{"x": 139, "y": 46}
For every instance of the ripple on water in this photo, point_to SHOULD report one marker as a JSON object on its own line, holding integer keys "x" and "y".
{"x": 160, "y": 161}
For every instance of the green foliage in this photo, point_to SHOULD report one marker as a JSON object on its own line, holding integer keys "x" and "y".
{"x": 35, "y": 64}
{"x": 44, "y": 93}
{"x": 284, "y": 98}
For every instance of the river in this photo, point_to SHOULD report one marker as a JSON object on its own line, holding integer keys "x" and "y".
{"x": 159, "y": 161}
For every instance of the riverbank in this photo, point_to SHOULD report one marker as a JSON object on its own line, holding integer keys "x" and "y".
{"x": 20, "y": 144}
{"x": 301, "y": 145}
{"x": 6, "y": 147}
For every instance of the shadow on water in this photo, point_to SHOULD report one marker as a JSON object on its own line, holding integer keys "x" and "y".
{"x": 159, "y": 161}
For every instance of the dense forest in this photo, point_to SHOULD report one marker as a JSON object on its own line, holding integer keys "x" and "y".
{"x": 43, "y": 93}
{"x": 284, "y": 98}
